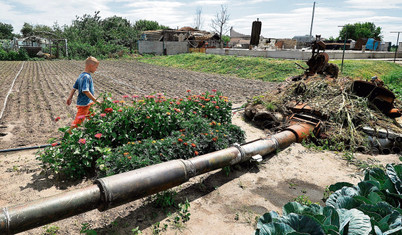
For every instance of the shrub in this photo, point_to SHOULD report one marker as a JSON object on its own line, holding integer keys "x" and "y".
{"x": 127, "y": 134}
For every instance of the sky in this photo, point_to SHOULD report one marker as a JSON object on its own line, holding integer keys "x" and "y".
{"x": 280, "y": 18}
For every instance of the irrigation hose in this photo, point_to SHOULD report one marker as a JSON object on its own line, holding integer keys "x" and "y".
{"x": 9, "y": 91}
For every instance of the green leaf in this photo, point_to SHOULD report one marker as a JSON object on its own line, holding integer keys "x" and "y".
{"x": 339, "y": 185}
{"x": 274, "y": 229}
{"x": 293, "y": 207}
{"x": 356, "y": 221}
{"x": 393, "y": 176}
{"x": 302, "y": 224}
{"x": 343, "y": 198}
{"x": 267, "y": 218}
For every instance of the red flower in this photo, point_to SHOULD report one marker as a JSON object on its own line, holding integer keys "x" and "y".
{"x": 178, "y": 103}
{"x": 82, "y": 141}
{"x": 180, "y": 140}
{"x": 99, "y": 135}
{"x": 217, "y": 107}
{"x": 103, "y": 114}
{"x": 148, "y": 117}
{"x": 126, "y": 96}
{"x": 116, "y": 101}
{"x": 54, "y": 144}
{"x": 194, "y": 112}
{"x": 57, "y": 119}
{"x": 196, "y": 153}
{"x": 193, "y": 145}
{"x": 108, "y": 110}
{"x": 214, "y": 90}
{"x": 188, "y": 91}
{"x": 135, "y": 96}
{"x": 214, "y": 139}
{"x": 214, "y": 102}
{"x": 185, "y": 143}
{"x": 212, "y": 96}
{"x": 120, "y": 110}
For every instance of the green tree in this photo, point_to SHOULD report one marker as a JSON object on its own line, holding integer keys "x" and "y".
{"x": 144, "y": 25}
{"x": 27, "y": 30}
{"x": 360, "y": 30}
{"x": 6, "y": 31}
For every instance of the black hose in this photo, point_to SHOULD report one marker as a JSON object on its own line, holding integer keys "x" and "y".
{"x": 27, "y": 148}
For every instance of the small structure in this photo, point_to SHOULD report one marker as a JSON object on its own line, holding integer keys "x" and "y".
{"x": 37, "y": 44}
{"x": 171, "y": 42}
{"x": 239, "y": 40}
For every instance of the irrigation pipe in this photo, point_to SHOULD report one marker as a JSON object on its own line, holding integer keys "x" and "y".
{"x": 26, "y": 148}
{"x": 9, "y": 92}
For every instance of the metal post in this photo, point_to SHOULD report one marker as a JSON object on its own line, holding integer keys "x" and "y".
{"x": 397, "y": 45}
{"x": 312, "y": 19}
{"x": 344, "y": 45}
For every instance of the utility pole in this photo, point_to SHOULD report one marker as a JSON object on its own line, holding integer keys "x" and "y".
{"x": 312, "y": 20}
{"x": 344, "y": 45}
{"x": 397, "y": 44}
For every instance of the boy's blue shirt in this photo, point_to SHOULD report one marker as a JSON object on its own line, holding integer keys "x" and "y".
{"x": 84, "y": 83}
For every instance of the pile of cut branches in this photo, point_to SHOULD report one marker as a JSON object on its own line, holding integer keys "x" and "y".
{"x": 332, "y": 100}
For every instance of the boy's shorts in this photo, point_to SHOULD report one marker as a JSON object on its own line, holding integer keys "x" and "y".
{"x": 81, "y": 111}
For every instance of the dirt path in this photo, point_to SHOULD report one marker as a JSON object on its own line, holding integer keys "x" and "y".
{"x": 220, "y": 203}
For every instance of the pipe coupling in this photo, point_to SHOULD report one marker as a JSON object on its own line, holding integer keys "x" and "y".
{"x": 240, "y": 156}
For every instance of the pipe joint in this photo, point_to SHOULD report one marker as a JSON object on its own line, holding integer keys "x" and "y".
{"x": 7, "y": 222}
{"x": 240, "y": 157}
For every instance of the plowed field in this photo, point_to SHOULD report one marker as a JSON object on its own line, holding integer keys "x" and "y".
{"x": 41, "y": 89}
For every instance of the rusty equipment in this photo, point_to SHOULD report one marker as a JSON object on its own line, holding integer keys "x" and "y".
{"x": 318, "y": 63}
{"x": 378, "y": 95}
{"x": 119, "y": 189}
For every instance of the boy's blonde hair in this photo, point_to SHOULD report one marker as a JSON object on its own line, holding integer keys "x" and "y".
{"x": 91, "y": 60}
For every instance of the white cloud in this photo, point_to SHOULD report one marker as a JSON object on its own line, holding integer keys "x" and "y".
{"x": 374, "y": 4}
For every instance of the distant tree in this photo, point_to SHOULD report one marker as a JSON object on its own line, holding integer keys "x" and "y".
{"x": 219, "y": 23}
{"x": 27, "y": 30}
{"x": 360, "y": 30}
{"x": 198, "y": 21}
{"x": 6, "y": 31}
{"x": 144, "y": 25}
{"x": 119, "y": 31}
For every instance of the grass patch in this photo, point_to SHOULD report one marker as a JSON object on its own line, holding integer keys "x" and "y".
{"x": 276, "y": 70}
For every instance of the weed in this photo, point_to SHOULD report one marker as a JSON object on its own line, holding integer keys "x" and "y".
{"x": 304, "y": 200}
{"x": 236, "y": 216}
{"x": 136, "y": 231}
{"x": 51, "y": 229}
{"x": 165, "y": 199}
{"x": 86, "y": 229}
{"x": 227, "y": 170}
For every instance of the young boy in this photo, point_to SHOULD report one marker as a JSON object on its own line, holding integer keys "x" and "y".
{"x": 85, "y": 87}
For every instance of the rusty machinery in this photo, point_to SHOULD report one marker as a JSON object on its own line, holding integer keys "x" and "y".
{"x": 318, "y": 63}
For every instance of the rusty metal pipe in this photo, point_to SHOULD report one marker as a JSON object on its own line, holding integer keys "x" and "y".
{"x": 119, "y": 189}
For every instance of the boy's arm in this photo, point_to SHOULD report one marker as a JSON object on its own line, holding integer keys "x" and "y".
{"x": 70, "y": 97}
{"x": 89, "y": 94}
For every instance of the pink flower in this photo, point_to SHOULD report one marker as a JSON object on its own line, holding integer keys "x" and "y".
{"x": 82, "y": 141}
{"x": 54, "y": 144}
{"x": 99, "y": 135}
{"x": 116, "y": 101}
{"x": 214, "y": 102}
{"x": 81, "y": 117}
{"x": 126, "y": 96}
{"x": 214, "y": 90}
{"x": 103, "y": 114}
{"x": 135, "y": 96}
{"x": 159, "y": 94}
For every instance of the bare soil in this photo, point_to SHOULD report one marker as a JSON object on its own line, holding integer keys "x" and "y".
{"x": 220, "y": 203}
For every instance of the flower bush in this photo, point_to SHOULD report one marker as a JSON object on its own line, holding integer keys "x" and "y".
{"x": 122, "y": 135}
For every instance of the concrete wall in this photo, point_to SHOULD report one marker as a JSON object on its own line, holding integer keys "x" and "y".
{"x": 156, "y": 47}
{"x": 302, "y": 55}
